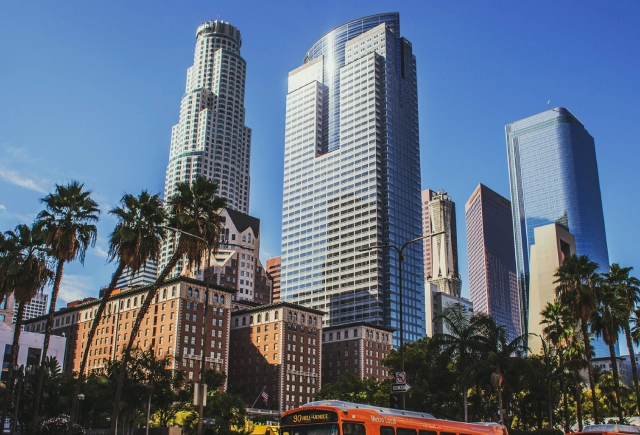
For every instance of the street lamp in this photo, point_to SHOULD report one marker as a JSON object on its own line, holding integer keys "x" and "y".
{"x": 202, "y": 387}
{"x": 80, "y": 400}
{"x": 400, "y": 260}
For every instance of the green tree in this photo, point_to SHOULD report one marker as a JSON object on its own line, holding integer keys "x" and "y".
{"x": 194, "y": 209}
{"x": 627, "y": 287}
{"x": 228, "y": 411}
{"x": 69, "y": 221}
{"x": 25, "y": 271}
{"x": 606, "y": 321}
{"x": 136, "y": 238}
{"x": 576, "y": 281}
{"x": 352, "y": 388}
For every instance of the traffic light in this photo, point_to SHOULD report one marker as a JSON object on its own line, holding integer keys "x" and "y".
{"x": 394, "y": 401}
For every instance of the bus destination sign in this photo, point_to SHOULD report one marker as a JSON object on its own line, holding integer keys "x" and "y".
{"x": 307, "y": 417}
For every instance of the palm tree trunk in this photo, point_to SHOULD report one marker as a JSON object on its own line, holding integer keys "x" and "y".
{"x": 566, "y": 406}
{"x": 45, "y": 347}
{"x": 616, "y": 382}
{"x": 634, "y": 369}
{"x": 126, "y": 356}
{"x": 579, "y": 404}
{"x": 550, "y": 405}
{"x": 464, "y": 401}
{"x": 8, "y": 393}
{"x": 592, "y": 383}
{"x": 94, "y": 327}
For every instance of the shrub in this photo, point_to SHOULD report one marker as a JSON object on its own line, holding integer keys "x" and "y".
{"x": 59, "y": 426}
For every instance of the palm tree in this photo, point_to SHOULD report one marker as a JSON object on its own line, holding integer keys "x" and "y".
{"x": 462, "y": 342}
{"x": 69, "y": 221}
{"x": 25, "y": 271}
{"x": 194, "y": 209}
{"x": 576, "y": 281}
{"x": 560, "y": 330}
{"x": 499, "y": 354}
{"x": 606, "y": 322}
{"x": 627, "y": 287}
{"x": 136, "y": 238}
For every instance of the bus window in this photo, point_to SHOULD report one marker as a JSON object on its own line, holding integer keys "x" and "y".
{"x": 386, "y": 431}
{"x": 320, "y": 429}
{"x": 427, "y": 432}
{"x": 447, "y": 433}
{"x": 403, "y": 431}
{"x": 353, "y": 429}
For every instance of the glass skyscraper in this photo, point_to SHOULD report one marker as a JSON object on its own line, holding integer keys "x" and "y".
{"x": 553, "y": 175}
{"x": 493, "y": 283}
{"x": 352, "y": 177}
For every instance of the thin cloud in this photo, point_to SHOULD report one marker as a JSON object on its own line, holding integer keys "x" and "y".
{"x": 2, "y": 207}
{"x": 98, "y": 251}
{"x": 14, "y": 177}
{"x": 76, "y": 287}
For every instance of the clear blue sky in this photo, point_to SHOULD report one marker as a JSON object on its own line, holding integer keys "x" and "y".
{"x": 89, "y": 91}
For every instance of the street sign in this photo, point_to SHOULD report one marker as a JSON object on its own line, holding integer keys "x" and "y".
{"x": 400, "y": 388}
{"x": 401, "y": 378}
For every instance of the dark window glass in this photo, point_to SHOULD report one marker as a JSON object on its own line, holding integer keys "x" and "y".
{"x": 386, "y": 431}
{"x": 353, "y": 429}
{"x": 403, "y": 431}
{"x": 427, "y": 432}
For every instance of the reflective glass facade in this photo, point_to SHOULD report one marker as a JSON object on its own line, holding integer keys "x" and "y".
{"x": 493, "y": 281}
{"x": 352, "y": 178}
{"x": 553, "y": 175}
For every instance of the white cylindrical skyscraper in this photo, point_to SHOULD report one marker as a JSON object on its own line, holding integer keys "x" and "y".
{"x": 210, "y": 139}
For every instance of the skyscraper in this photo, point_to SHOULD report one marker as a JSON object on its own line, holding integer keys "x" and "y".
{"x": 352, "y": 177}
{"x": 273, "y": 269}
{"x": 145, "y": 276}
{"x": 441, "y": 248}
{"x": 493, "y": 281}
{"x": 210, "y": 139}
{"x": 553, "y": 175}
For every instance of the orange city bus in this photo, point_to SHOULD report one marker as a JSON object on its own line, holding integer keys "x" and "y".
{"x": 332, "y": 417}
{"x": 609, "y": 429}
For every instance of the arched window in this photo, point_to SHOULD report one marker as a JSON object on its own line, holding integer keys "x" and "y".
{"x": 236, "y": 322}
{"x": 259, "y": 318}
{"x": 377, "y": 336}
{"x": 331, "y": 336}
{"x": 173, "y": 293}
{"x": 355, "y": 332}
{"x": 337, "y": 335}
{"x": 302, "y": 318}
{"x": 197, "y": 295}
{"x": 315, "y": 321}
{"x": 346, "y": 334}
{"x": 215, "y": 298}
{"x": 290, "y": 316}
{"x": 135, "y": 301}
{"x": 250, "y": 320}
{"x": 164, "y": 294}
{"x": 244, "y": 321}
{"x": 295, "y": 317}
{"x": 189, "y": 292}
{"x": 222, "y": 299}
{"x": 276, "y": 315}
{"x": 266, "y": 317}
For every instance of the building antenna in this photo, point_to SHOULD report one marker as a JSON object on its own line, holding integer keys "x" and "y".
{"x": 548, "y": 102}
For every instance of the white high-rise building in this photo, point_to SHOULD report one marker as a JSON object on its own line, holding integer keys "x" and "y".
{"x": 352, "y": 178}
{"x": 146, "y": 275}
{"x": 36, "y": 308}
{"x": 210, "y": 139}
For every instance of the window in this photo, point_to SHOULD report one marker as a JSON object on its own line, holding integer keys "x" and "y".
{"x": 386, "y": 431}
{"x": 427, "y": 432}
{"x": 354, "y": 429}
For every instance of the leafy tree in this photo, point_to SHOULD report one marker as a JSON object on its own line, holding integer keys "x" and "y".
{"x": 69, "y": 221}
{"x": 352, "y": 388}
{"x": 576, "y": 281}
{"x": 194, "y": 209}
{"x": 228, "y": 411}
{"x": 136, "y": 238}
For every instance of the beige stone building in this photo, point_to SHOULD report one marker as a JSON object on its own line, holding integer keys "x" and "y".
{"x": 553, "y": 244}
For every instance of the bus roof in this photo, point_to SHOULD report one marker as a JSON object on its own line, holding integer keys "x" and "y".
{"x": 622, "y": 428}
{"x": 379, "y": 409}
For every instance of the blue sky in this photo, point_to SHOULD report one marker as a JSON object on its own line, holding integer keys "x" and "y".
{"x": 89, "y": 91}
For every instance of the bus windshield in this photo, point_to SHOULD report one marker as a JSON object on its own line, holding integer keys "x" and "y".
{"x": 311, "y": 429}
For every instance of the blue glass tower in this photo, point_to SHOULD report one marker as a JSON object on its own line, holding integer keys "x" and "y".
{"x": 352, "y": 178}
{"x": 553, "y": 175}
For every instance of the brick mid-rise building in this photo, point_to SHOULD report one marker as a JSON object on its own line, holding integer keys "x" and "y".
{"x": 277, "y": 347}
{"x": 173, "y": 326}
{"x": 274, "y": 271}
{"x": 357, "y": 348}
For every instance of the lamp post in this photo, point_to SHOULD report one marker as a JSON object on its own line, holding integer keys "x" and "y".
{"x": 400, "y": 260}
{"x": 202, "y": 387}
{"x": 80, "y": 400}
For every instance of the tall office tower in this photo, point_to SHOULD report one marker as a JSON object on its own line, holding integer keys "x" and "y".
{"x": 145, "y": 276}
{"x": 553, "y": 175}
{"x": 273, "y": 269}
{"x": 210, "y": 139}
{"x": 439, "y": 220}
{"x": 493, "y": 281}
{"x": 352, "y": 178}
{"x": 36, "y": 308}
